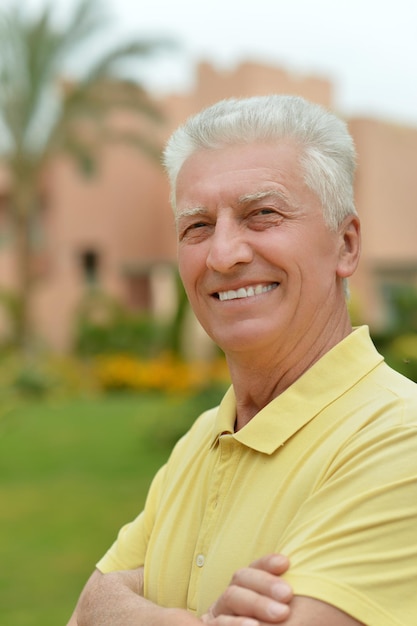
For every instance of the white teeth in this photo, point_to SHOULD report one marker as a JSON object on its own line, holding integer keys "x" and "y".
{"x": 246, "y": 293}
{"x": 227, "y": 295}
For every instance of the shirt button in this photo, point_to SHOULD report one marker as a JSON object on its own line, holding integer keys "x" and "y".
{"x": 200, "y": 560}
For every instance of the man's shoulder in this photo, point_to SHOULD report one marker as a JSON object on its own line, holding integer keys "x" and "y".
{"x": 390, "y": 396}
{"x": 396, "y": 384}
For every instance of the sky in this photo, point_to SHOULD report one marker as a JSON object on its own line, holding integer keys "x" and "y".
{"x": 366, "y": 48}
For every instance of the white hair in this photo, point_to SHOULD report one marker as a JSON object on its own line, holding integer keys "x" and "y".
{"x": 327, "y": 155}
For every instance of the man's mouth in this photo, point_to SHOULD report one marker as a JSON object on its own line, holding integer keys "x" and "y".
{"x": 245, "y": 292}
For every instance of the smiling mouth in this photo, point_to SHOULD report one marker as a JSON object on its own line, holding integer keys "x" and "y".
{"x": 245, "y": 292}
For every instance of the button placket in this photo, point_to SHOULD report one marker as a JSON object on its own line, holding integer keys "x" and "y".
{"x": 221, "y": 477}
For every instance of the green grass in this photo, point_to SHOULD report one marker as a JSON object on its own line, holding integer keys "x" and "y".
{"x": 71, "y": 473}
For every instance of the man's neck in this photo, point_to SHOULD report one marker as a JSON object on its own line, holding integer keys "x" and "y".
{"x": 259, "y": 378}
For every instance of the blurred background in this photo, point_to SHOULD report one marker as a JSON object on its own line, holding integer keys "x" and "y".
{"x": 102, "y": 365}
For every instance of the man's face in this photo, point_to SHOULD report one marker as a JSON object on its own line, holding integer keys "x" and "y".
{"x": 258, "y": 263}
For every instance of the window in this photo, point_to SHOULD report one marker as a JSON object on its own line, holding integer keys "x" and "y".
{"x": 90, "y": 267}
{"x": 138, "y": 292}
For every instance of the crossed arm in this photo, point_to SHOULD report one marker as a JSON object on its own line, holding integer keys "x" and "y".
{"x": 256, "y": 596}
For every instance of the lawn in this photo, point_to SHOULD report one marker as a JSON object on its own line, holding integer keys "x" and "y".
{"x": 71, "y": 473}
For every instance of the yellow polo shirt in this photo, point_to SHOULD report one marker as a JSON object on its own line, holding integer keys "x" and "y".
{"x": 326, "y": 474}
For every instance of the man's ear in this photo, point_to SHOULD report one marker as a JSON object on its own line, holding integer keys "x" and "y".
{"x": 349, "y": 246}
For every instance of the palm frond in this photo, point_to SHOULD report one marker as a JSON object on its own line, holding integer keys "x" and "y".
{"x": 27, "y": 63}
{"x": 110, "y": 61}
{"x": 88, "y": 18}
{"x": 38, "y": 116}
{"x": 33, "y": 51}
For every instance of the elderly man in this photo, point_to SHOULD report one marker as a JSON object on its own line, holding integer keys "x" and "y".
{"x": 312, "y": 452}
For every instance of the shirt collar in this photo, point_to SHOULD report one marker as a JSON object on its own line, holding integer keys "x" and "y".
{"x": 338, "y": 370}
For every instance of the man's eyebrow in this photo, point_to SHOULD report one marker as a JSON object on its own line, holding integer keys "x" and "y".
{"x": 260, "y": 195}
{"x": 198, "y": 210}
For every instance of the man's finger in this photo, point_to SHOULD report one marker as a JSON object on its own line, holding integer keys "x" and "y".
{"x": 275, "y": 563}
{"x": 238, "y": 600}
{"x": 262, "y": 583}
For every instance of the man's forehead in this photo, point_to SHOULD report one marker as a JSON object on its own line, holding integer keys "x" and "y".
{"x": 286, "y": 149}
{"x": 238, "y": 176}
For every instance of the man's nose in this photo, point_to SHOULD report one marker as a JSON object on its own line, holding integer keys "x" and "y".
{"x": 228, "y": 247}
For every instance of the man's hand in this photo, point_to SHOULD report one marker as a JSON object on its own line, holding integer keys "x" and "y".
{"x": 256, "y": 595}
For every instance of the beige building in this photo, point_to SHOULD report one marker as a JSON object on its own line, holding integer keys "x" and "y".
{"x": 386, "y": 198}
{"x": 115, "y": 230}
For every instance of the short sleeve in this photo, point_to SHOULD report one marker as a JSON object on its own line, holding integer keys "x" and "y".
{"x": 353, "y": 543}
{"x": 129, "y": 549}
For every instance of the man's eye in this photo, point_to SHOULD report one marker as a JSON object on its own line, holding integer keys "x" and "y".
{"x": 266, "y": 211}
{"x": 264, "y": 217}
{"x": 193, "y": 230}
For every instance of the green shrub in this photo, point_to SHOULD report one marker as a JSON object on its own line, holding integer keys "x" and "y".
{"x": 33, "y": 381}
{"x": 401, "y": 353}
{"x": 102, "y": 326}
{"x": 134, "y": 335}
{"x": 398, "y": 342}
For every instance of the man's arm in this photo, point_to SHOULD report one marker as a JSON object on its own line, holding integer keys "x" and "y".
{"x": 310, "y": 612}
{"x": 116, "y": 599}
{"x": 303, "y": 612}
{"x": 259, "y": 593}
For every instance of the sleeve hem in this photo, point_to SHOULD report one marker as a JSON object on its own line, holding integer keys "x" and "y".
{"x": 343, "y": 597}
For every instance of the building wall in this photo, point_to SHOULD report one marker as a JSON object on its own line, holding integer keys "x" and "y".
{"x": 386, "y": 198}
{"x": 121, "y": 217}
{"x": 254, "y": 79}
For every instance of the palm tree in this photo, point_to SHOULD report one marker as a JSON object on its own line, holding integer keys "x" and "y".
{"x": 41, "y": 114}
